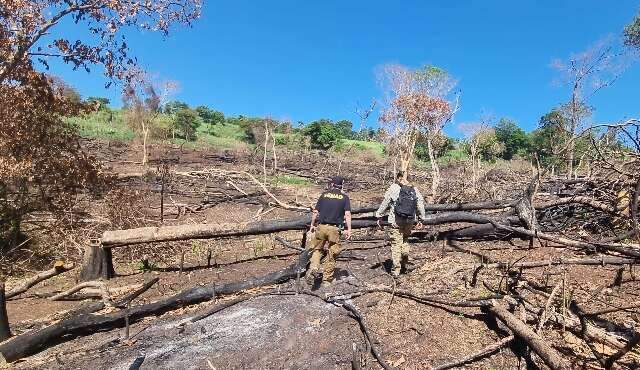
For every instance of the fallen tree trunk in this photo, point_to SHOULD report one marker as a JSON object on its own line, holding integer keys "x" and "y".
{"x": 618, "y": 248}
{"x": 603, "y": 260}
{"x": 580, "y": 200}
{"x": 118, "y": 238}
{"x": 33, "y": 342}
{"x": 98, "y": 262}
{"x": 58, "y": 268}
{"x": 142, "y": 235}
{"x": 550, "y": 356}
{"x": 92, "y": 307}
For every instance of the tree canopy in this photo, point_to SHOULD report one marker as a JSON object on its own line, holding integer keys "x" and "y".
{"x": 186, "y": 123}
{"x": 632, "y": 33}
{"x": 41, "y": 161}
{"x": 323, "y": 134}
{"x": 513, "y": 138}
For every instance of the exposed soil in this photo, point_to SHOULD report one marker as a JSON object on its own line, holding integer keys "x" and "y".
{"x": 301, "y": 331}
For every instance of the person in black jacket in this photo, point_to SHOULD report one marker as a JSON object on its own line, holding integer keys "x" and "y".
{"x": 332, "y": 213}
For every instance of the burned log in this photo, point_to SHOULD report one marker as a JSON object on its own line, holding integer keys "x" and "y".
{"x": 5, "y": 330}
{"x": 98, "y": 263}
{"x": 550, "y": 356}
{"x": 35, "y": 341}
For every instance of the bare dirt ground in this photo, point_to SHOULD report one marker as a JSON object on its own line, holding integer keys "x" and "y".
{"x": 303, "y": 331}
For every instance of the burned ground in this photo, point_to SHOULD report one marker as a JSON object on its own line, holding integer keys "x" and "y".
{"x": 283, "y": 326}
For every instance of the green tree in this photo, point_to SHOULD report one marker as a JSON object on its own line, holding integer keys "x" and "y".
{"x": 174, "y": 106}
{"x": 185, "y": 123}
{"x": 489, "y": 147}
{"x": 323, "y": 134}
{"x": 210, "y": 117}
{"x": 345, "y": 128}
{"x": 100, "y": 102}
{"x": 632, "y": 33}
{"x": 548, "y": 139}
{"x": 543, "y": 142}
{"x": 442, "y": 144}
{"x": 513, "y": 138}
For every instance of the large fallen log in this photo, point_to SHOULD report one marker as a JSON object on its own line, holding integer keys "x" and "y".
{"x": 33, "y": 342}
{"x": 142, "y": 235}
{"x": 98, "y": 262}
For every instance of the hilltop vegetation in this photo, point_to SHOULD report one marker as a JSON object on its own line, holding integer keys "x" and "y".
{"x": 202, "y": 127}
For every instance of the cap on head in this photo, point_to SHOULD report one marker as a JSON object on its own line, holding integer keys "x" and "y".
{"x": 337, "y": 180}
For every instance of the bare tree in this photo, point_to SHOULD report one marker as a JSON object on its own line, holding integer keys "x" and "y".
{"x": 144, "y": 100}
{"x": 587, "y": 73}
{"x": 473, "y": 133}
{"x": 419, "y": 102}
{"x": 364, "y": 113}
{"x": 28, "y": 31}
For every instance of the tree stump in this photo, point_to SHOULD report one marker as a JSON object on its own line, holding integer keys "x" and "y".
{"x": 97, "y": 264}
{"x": 5, "y": 331}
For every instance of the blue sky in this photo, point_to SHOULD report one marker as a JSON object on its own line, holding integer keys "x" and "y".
{"x": 305, "y": 60}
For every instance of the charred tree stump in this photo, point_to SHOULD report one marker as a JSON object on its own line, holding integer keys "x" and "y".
{"x": 5, "y": 331}
{"x": 97, "y": 264}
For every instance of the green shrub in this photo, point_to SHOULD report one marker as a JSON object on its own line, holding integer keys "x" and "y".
{"x": 323, "y": 134}
{"x": 186, "y": 123}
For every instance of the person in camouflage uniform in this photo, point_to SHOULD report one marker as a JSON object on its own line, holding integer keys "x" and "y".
{"x": 400, "y": 226}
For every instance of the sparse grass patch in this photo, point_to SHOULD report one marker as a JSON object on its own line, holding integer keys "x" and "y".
{"x": 224, "y": 136}
{"x": 290, "y": 180}
{"x": 373, "y": 146}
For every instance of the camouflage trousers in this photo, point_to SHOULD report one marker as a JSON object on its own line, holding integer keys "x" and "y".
{"x": 399, "y": 246}
{"x": 330, "y": 235}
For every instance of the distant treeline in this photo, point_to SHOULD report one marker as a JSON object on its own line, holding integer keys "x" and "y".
{"x": 502, "y": 140}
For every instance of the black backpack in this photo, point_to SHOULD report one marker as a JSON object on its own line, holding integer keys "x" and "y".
{"x": 407, "y": 203}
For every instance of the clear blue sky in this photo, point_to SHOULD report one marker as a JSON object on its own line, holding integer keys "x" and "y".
{"x": 305, "y": 60}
